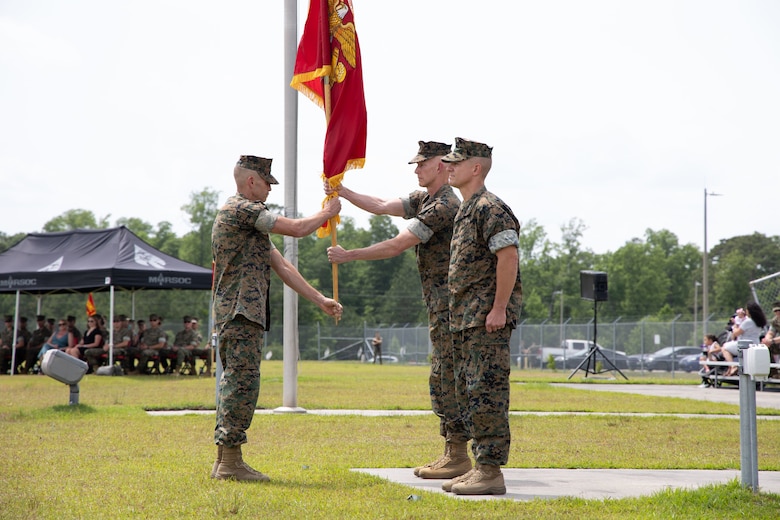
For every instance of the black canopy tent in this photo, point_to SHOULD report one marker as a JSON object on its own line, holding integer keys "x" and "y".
{"x": 86, "y": 260}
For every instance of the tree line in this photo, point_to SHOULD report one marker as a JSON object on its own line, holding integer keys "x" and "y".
{"x": 653, "y": 276}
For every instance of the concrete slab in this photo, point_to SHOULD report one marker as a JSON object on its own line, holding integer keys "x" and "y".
{"x": 528, "y": 484}
{"x": 768, "y": 398}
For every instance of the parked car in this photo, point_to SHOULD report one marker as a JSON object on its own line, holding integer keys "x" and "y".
{"x": 619, "y": 359}
{"x": 386, "y": 358}
{"x": 690, "y": 363}
{"x": 668, "y": 358}
{"x": 635, "y": 361}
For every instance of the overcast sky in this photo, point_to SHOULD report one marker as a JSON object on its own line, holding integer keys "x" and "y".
{"x": 618, "y": 113}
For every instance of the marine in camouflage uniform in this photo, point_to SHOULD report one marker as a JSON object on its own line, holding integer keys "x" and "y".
{"x": 485, "y": 296}
{"x": 6, "y": 340}
{"x": 431, "y": 212}
{"x": 37, "y": 338}
{"x": 243, "y": 257}
{"x": 153, "y": 341}
{"x": 122, "y": 338}
{"x": 201, "y": 351}
{"x": 183, "y": 343}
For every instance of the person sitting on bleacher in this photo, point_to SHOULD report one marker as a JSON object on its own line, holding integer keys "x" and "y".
{"x": 713, "y": 353}
{"x": 751, "y": 329}
{"x": 772, "y": 340}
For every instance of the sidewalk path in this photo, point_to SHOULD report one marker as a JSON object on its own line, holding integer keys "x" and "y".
{"x": 527, "y": 484}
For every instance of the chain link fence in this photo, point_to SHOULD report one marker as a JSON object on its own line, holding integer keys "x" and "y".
{"x": 411, "y": 344}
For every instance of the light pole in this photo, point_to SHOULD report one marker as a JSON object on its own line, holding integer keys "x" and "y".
{"x": 561, "y": 294}
{"x": 705, "y": 307}
{"x": 696, "y": 286}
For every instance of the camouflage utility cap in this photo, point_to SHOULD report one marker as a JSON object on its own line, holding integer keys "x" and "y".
{"x": 259, "y": 164}
{"x": 430, "y": 149}
{"x": 465, "y": 149}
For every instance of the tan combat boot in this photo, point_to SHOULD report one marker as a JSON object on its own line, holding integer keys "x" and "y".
{"x": 447, "y": 486}
{"x": 455, "y": 462}
{"x": 216, "y": 462}
{"x": 436, "y": 462}
{"x": 485, "y": 480}
{"x": 232, "y": 466}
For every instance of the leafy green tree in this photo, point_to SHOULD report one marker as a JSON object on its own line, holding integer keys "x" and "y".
{"x": 735, "y": 262}
{"x": 75, "y": 219}
{"x": 165, "y": 239}
{"x": 638, "y": 285}
{"x": 202, "y": 209}
{"x": 143, "y": 229}
{"x": 731, "y": 288}
{"x": 682, "y": 266}
{"x": 7, "y": 241}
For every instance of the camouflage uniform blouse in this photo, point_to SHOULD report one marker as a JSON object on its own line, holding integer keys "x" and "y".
{"x": 484, "y": 224}
{"x": 39, "y": 337}
{"x": 242, "y": 261}
{"x": 153, "y": 336}
{"x": 122, "y": 335}
{"x": 432, "y": 224}
{"x": 184, "y": 338}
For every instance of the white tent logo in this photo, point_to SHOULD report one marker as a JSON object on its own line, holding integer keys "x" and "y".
{"x": 54, "y": 266}
{"x": 143, "y": 257}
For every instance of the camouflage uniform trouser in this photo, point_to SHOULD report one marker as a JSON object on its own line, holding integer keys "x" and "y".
{"x": 484, "y": 358}
{"x": 240, "y": 349}
{"x": 448, "y": 398}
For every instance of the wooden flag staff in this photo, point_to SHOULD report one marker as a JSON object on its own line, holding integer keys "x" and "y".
{"x": 333, "y": 233}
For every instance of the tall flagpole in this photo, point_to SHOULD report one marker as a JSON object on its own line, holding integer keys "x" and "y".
{"x": 290, "y": 339}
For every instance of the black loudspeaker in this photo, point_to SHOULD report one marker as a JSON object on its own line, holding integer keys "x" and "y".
{"x": 593, "y": 286}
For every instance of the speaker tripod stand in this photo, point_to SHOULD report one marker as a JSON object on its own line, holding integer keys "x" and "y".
{"x": 589, "y": 364}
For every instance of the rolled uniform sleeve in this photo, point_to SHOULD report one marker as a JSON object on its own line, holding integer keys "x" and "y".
{"x": 420, "y": 230}
{"x": 503, "y": 239}
{"x": 266, "y": 221}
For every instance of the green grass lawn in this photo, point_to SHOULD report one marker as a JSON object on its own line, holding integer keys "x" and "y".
{"x": 107, "y": 458}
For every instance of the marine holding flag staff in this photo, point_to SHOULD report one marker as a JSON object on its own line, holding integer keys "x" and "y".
{"x": 485, "y": 297}
{"x": 432, "y": 213}
{"x": 243, "y": 259}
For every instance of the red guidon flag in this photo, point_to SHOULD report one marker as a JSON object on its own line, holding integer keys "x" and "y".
{"x": 329, "y": 51}
{"x": 91, "y": 310}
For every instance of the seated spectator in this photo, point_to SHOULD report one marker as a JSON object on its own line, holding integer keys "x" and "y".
{"x": 184, "y": 338}
{"x": 6, "y": 340}
{"x": 133, "y": 352}
{"x": 122, "y": 337}
{"x": 73, "y": 329}
{"x": 37, "y": 339}
{"x": 751, "y": 329}
{"x": 713, "y": 353}
{"x": 201, "y": 350}
{"x": 153, "y": 341}
{"x": 772, "y": 339}
{"x": 92, "y": 339}
{"x": 739, "y": 316}
{"x": 20, "y": 347}
{"x": 22, "y": 341}
{"x": 61, "y": 339}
